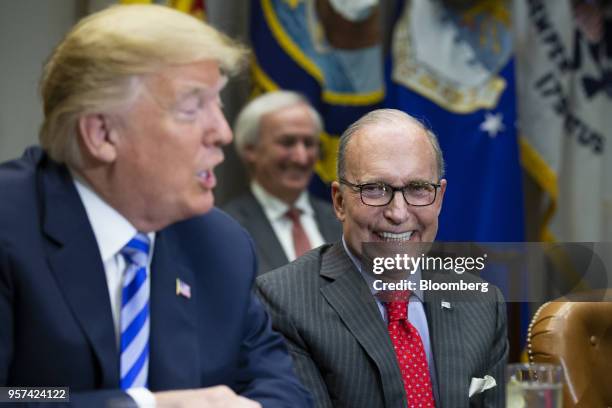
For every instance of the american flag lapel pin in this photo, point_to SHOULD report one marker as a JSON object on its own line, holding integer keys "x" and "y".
{"x": 183, "y": 289}
{"x": 445, "y": 305}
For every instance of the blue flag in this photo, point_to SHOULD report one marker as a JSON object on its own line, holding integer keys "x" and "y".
{"x": 453, "y": 68}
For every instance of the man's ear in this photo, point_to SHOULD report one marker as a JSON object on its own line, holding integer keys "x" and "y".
{"x": 338, "y": 201}
{"x": 440, "y": 195}
{"x": 98, "y": 137}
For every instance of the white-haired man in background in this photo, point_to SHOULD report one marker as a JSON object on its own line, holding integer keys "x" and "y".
{"x": 277, "y": 137}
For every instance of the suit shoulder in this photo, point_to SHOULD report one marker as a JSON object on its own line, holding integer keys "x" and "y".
{"x": 18, "y": 183}
{"x": 303, "y": 270}
{"x": 321, "y": 205}
{"x": 239, "y": 206}
{"x": 19, "y": 173}
{"x": 243, "y": 200}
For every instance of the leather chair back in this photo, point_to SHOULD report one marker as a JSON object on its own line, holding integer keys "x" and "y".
{"x": 577, "y": 336}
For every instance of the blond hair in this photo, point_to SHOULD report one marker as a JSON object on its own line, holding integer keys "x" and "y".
{"x": 98, "y": 65}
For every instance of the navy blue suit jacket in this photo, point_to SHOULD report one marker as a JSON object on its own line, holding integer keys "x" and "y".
{"x": 55, "y": 314}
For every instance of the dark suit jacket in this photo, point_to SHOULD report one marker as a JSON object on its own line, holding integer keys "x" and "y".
{"x": 250, "y": 214}
{"x": 55, "y": 313}
{"x": 341, "y": 346}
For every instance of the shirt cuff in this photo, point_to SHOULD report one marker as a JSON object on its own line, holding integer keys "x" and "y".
{"x": 142, "y": 396}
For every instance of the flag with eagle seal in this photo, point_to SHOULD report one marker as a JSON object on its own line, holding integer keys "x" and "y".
{"x": 452, "y": 65}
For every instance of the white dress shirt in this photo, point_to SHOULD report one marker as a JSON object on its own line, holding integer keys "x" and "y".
{"x": 113, "y": 232}
{"x": 416, "y": 314}
{"x": 276, "y": 210}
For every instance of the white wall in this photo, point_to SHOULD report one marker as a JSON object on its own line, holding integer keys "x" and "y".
{"x": 29, "y": 29}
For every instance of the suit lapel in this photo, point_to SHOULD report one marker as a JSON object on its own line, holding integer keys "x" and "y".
{"x": 174, "y": 337}
{"x": 76, "y": 263}
{"x": 349, "y": 296}
{"x": 269, "y": 246}
{"x": 447, "y": 342}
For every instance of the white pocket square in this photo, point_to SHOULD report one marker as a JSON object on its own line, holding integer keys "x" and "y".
{"x": 478, "y": 385}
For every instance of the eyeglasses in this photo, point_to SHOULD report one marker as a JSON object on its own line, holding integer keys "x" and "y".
{"x": 416, "y": 193}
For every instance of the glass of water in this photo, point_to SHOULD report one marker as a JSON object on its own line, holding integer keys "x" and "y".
{"x": 534, "y": 386}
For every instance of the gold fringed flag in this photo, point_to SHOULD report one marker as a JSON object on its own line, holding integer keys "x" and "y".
{"x": 328, "y": 51}
{"x": 196, "y": 8}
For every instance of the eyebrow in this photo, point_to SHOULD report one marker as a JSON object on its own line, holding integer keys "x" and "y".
{"x": 189, "y": 88}
{"x": 409, "y": 182}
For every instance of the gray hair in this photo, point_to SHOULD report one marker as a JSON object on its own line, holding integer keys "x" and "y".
{"x": 385, "y": 116}
{"x": 99, "y": 64}
{"x": 248, "y": 122}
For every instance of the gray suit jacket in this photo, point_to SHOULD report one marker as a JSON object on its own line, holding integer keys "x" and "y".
{"x": 342, "y": 351}
{"x": 270, "y": 254}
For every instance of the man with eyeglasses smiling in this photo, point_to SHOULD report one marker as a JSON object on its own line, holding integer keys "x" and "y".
{"x": 277, "y": 138}
{"x": 353, "y": 349}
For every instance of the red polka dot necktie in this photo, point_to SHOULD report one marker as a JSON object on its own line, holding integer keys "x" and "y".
{"x": 301, "y": 243}
{"x": 410, "y": 355}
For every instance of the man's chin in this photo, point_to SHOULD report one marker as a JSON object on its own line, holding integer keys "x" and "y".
{"x": 295, "y": 188}
{"x": 204, "y": 204}
{"x": 296, "y": 179}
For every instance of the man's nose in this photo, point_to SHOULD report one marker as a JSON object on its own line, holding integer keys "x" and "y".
{"x": 218, "y": 130}
{"x": 397, "y": 211}
{"x": 300, "y": 153}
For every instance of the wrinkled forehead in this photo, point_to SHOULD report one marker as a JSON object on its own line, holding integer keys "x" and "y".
{"x": 391, "y": 150}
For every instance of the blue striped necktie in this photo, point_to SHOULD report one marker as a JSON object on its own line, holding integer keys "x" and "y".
{"x": 134, "y": 363}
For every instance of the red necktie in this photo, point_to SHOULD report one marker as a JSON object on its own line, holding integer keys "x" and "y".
{"x": 410, "y": 355}
{"x": 300, "y": 240}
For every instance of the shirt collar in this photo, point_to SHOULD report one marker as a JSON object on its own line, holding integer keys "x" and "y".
{"x": 276, "y": 208}
{"x": 369, "y": 278}
{"x": 111, "y": 229}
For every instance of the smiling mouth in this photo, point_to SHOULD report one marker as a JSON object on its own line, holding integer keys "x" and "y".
{"x": 393, "y": 237}
{"x": 298, "y": 171}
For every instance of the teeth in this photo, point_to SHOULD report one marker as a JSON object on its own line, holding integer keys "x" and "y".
{"x": 204, "y": 174}
{"x": 389, "y": 236}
